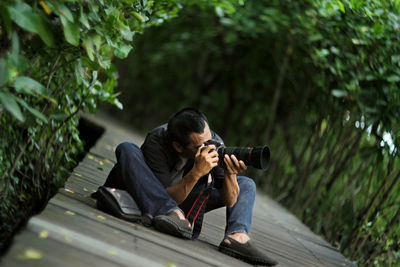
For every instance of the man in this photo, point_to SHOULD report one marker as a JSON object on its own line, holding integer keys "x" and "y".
{"x": 174, "y": 174}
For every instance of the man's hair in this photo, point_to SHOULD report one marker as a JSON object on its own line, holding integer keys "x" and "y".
{"x": 185, "y": 122}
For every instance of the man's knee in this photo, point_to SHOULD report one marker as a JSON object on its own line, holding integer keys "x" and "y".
{"x": 247, "y": 185}
{"x": 125, "y": 147}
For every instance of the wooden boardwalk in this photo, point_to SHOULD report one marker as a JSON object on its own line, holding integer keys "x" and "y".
{"x": 72, "y": 232}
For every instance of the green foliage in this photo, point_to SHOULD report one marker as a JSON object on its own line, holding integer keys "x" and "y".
{"x": 56, "y": 61}
{"x": 318, "y": 81}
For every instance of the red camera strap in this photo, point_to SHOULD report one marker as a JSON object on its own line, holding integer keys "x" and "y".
{"x": 196, "y": 213}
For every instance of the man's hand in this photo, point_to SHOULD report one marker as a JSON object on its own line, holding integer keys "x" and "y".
{"x": 205, "y": 160}
{"x": 233, "y": 165}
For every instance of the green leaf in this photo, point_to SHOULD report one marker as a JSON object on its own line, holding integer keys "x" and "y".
{"x": 9, "y": 103}
{"x": 322, "y": 52}
{"x": 127, "y": 33}
{"x": 104, "y": 62}
{"x": 341, "y": 6}
{"x": 89, "y": 47}
{"x": 378, "y": 29}
{"x": 71, "y": 31}
{"x": 35, "y": 112}
{"x": 65, "y": 12}
{"x": 96, "y": 40}
{"x": 339, "y": 93}
{"x": 219, "y": 11}
{"x": 138, "y": 17}
{"x": 117, "y": 103}
{"x": 122, "y": 50}
{"x": 60, "y": 10}
{"x": 395, "y": 59}
{"x": 24, "y": 16}
{"x": 315, "y": 37}
{"x": 358, "y": 41}
{"x": 15, "y": 60}
{"x": 5, "y": 18}
{"x": 83, "y": 19}
{"x": 15, "y": 43}
{"x": 25, "y": 84}
{"x": 3, "y": 72}
{"x": 59, "y": 115}
{"x": 393, "y": 78}
{"x": 46, "y": 35}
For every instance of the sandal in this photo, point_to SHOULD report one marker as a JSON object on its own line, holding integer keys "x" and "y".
{"x": 245, "y": 252}
{"x": 171, "y": 224}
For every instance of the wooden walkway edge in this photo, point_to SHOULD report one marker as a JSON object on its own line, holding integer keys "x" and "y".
{"x": 72, "y": 232}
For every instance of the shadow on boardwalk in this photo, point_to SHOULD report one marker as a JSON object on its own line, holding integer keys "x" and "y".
{"x": 71, "y": 231}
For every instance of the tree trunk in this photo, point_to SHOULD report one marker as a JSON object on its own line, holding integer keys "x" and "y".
{"x": 278, "y": 91}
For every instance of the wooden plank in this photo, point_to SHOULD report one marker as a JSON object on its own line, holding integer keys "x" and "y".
{"x": 30, "y": 249}
{"x": 84, "y": 218}
{"x": 101, "y": 248}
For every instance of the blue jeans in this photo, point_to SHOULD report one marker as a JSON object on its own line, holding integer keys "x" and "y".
{"x": 131, "y": 173}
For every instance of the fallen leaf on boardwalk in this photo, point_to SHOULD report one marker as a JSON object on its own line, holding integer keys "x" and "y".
{"x": 70, "y": 212}
{"x": 112, "y": 252}
{"x": 78, "y": 174}
{"x": 69, "y": 190}
{"x": 44, "y": 234}
{"x": 85, "y": 189}
{"x": 102, "y": 163}
{"x": 108, "y": 147}
{"x": 67, "y": 239}
{"x": 31, "y": 254}
{"x": 101, "y": 217}
{"x": 109, "y": 161}
{"x": 90, "y": 157}
{"x": 168, "y": 264}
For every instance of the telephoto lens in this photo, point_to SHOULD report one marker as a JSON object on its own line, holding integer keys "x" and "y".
{"x": 257, "y": 157}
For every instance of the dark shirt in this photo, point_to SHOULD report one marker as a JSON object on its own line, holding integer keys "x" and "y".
{"x": 161, "y": 157}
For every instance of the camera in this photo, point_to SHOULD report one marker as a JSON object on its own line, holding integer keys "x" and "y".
{"x": 257, "y": 157}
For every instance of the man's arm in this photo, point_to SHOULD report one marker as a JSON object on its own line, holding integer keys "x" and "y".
{"x": 230, "y": 189}
{"x": 204, "y": 162}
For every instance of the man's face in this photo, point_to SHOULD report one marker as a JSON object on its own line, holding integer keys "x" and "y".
{"x": 196, "y": 141}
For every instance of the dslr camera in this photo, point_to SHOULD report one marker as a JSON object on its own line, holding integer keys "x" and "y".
{"x": 257, "y": 157}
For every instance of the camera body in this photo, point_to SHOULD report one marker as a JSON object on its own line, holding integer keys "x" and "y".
{"x": 257, "y": 157}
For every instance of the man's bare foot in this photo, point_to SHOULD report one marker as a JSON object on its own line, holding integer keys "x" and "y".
{"x": 239, "y": 237}
{"x": 180, "y": 215}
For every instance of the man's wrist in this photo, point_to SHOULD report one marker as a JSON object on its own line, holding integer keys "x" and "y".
{"x": 230, "y": 175}
{"x": 195, "y": 174}
{"x": 191, "y": 178}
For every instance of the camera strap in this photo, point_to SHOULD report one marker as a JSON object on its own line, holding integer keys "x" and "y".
{"x": 196, "y": 213}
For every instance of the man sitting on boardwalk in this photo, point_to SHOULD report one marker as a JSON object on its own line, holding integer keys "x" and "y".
{"x": 174, "y": 174}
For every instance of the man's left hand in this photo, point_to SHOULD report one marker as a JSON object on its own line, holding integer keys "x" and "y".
{"x": 233, "y": 165}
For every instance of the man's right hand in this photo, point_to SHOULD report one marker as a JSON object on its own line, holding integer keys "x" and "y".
{"x": 205, "y": 160}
